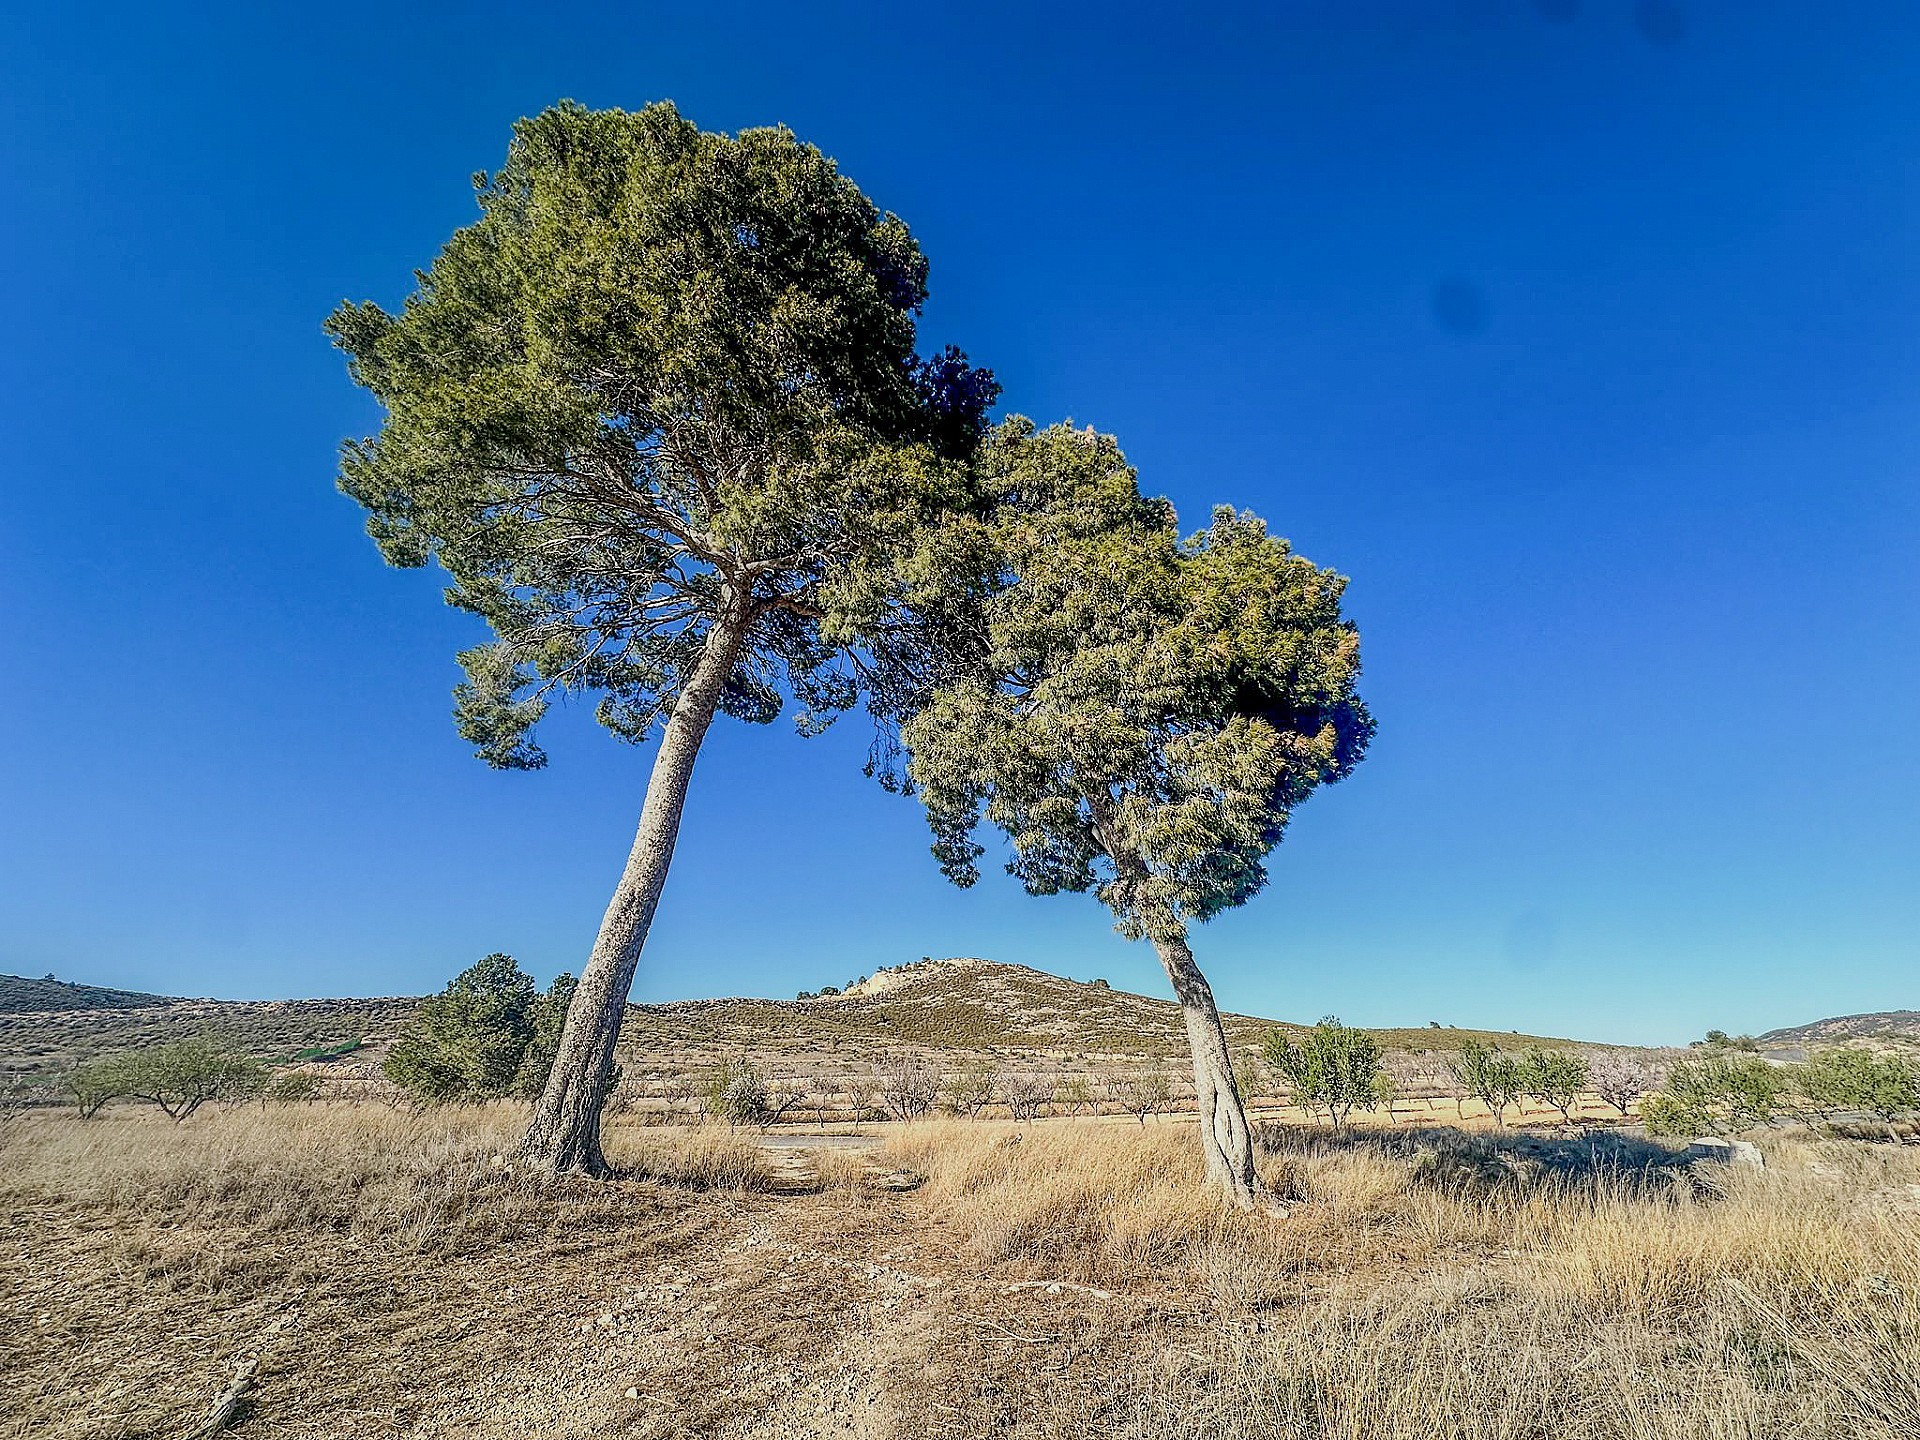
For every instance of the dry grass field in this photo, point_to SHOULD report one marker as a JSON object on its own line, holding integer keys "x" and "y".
{"x": 966, "y": 1279}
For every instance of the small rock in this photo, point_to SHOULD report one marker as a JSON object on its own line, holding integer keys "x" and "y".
{"x": 1723, "y": 1152}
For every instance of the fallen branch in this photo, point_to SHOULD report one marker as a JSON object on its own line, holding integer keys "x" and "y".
{"x": 1010, "y": 1334}
{"x": 1054, "y": 1287}
{"x": 227, "y": 1404}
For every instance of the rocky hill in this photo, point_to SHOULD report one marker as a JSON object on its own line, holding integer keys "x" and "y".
{"x": 960, "y": 1006}
{"x": 1881, "y": 1030}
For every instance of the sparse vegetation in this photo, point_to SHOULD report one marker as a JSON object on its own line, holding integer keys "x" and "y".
{"x": 1419, "y": 1276}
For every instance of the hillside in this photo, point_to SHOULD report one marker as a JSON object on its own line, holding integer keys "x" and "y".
{"x": 971, "y": 1006}
{"x": 44, "y": 1041}
{"x": 951, "y": 1006}
{"x": 1883, "y": 1029}
{"x": 19, "y": 995}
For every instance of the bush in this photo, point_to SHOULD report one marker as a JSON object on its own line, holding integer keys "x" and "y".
{"x": 1886, "y": 1087}
{"x": 296, "y": 1087}
{"x": 737, "y": 1093}
{"x": 1333, "y": 1068}
{"x": 489, "y": 1033}
{"x": 1719, "y": 1093}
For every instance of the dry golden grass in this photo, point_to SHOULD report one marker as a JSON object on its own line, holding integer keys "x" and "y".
{"x": 1424, "y": 1286}
{"x": 1435, "y": 1286}
{"x": 433, "y": 1179}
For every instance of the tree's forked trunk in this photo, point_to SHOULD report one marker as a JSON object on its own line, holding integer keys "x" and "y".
{"x": 1225, "y": 1138}
{"x": 565, "y": 1134}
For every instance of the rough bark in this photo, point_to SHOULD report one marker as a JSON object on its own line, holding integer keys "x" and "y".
{"x": 1225, "y": 1138}
{"x": 565, "y": 1134}
{"x": 1226, "y": 1141}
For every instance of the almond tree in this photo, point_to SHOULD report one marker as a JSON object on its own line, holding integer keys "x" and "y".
{"x": 1489, "y": 1074}
{"x": 1556, "y": 1076}
{"x": 1139, "y": 715}
{"x": 659, "y": 416}
{"x": 1027, "y": 1094}
{"x": 1333, "y": 1068}
{"x": 1620, "y": 1079}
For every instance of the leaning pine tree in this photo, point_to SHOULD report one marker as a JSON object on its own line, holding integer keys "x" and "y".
{"x": 1139, "y": 715}
{"x": 659, "y": 415}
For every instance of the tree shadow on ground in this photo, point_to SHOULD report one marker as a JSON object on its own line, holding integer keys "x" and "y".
{"x": 1441, "y": 1157}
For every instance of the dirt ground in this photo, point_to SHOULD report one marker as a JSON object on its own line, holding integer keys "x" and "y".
{"x": 652, "y": 1311}
{"x": 376, "y": 1274}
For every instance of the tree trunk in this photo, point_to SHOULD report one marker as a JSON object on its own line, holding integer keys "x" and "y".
{"x": 1225, "y": 1139}
{"x": 565, "y": 1134}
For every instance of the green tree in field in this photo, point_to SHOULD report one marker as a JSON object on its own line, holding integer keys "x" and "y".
{"x": 1556, "y": 1076}
{"x": 1139, "y": 715}
{"x": 182, "y": 1076}
{"x": 488, "y": 1034}
{"x": 1719, "y": 1093}
{"x": 1886, "y": 1087}
{"x": 546, "y": 1018}
{"x": 1489, "y": 1074}
{"x": 94, "y": 1083}
{"x": 1333, "y": 1068}
{"x": 659, "y": 415}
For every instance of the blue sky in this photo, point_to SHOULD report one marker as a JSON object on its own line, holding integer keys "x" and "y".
{"x": 1582, "y": 335}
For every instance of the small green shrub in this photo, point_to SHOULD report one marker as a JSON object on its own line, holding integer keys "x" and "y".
{"x": 737, "y": 1092}
{"x": 1332, "y": 1069}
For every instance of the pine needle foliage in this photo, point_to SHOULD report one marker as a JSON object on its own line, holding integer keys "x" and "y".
{"x": 665, "y": 384}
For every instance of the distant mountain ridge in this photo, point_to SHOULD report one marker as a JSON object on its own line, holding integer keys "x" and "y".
{"x": 1900, "y": 1028}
